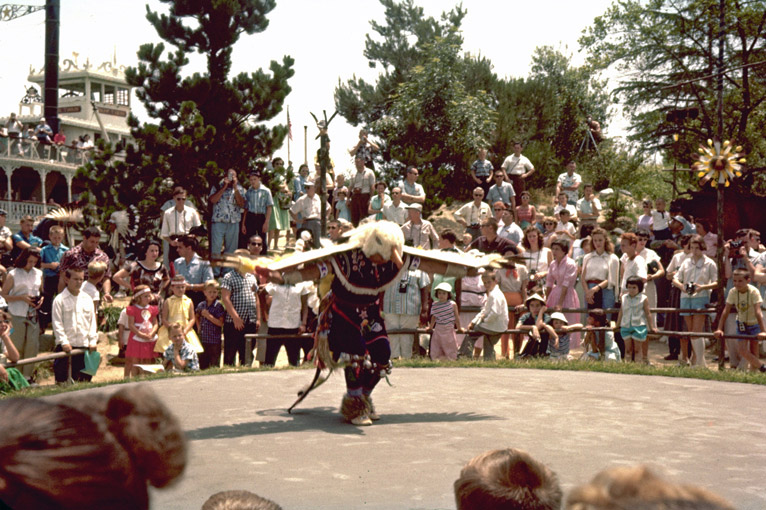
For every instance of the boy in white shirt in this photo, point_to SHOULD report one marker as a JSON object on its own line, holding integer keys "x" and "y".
{"x": 493, "y": 318}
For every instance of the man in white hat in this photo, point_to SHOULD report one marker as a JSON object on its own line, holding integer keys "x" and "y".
{"x": 418, "y": 232}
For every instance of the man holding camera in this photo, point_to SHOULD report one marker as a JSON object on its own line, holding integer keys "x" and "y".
{"x": 228, "y": 199}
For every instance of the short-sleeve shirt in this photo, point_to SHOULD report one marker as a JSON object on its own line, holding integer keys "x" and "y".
{"x": 746, "y": 303}
{"x": 49, "y": 254}
{"x": 209, "y": 332}
{"x": 499, "y": 245}
{"x": 502, "y": 194}
{"x": 196, "y": 271}
{"x": 364, "y": 180}
{"x": 472, "y": 214}
{"x": 567, "y": 180}
{"x": 32, "y": 240}
{"x": 243, "y": 295}
{"x": 226, "y": 210}
{"x": 482, "y": 168}
{"x": 187, "y": 354}
{"x": 414, "y": 189}
{"x": 517, "y": 165}
{"x": 586, "y": 207}
{"x": 77, "y": 258}
{"x": 409, "y": 302}
{"x": 258, "y": 199}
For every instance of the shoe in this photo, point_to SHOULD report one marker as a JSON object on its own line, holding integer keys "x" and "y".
{"x": 671, "y": 357}
{"x": 371, "y": 414}
{"x": 361, "y": 421}
{"x": 762, "y": 368}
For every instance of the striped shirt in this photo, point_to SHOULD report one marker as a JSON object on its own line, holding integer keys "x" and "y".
{"x": 444, "y": 312}
{"x": 406, "y": 303}
{"x": 258, "y": 199}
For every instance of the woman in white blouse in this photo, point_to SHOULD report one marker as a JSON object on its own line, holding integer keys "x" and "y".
{"x": 22, "y": 291}
{"x": 600, "y": 272}
{"x": 696, "y": 278}
{"x": 537, "y": 257}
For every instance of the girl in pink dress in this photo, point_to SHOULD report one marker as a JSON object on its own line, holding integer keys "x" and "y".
{"x": 562, "y": 276}
{"x": 142, "y": 321}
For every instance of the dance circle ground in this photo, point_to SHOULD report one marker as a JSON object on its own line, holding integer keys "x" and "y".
{"x": 435, "y": 419}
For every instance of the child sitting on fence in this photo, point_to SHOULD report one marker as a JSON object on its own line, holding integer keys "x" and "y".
{"x": 537, "y": 342}
{"x": 599, "y": 344}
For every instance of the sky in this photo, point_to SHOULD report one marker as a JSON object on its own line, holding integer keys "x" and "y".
{"x": 326, "y": 39}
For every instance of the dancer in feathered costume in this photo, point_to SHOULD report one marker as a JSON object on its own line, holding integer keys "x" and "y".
{"x": 351, "y": 332}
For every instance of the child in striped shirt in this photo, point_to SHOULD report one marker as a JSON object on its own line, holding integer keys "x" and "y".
{"x": 444, "y": 321}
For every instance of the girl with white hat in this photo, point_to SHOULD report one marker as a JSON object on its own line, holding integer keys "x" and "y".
{"x": 444, "y": 321}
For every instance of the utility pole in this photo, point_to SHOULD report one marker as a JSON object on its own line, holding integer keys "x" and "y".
{"x": 52, "y": 8}
{"x": 721, "y": 302}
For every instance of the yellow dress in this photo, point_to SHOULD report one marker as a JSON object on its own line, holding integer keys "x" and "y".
{"x": 178, "y": 311}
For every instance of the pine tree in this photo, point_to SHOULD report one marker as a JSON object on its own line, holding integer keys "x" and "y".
{"x": 202, "y": 124}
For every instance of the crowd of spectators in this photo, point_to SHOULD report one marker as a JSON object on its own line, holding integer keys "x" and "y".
{"x": 566, "y": 259}
{"x": 39, "y": 140}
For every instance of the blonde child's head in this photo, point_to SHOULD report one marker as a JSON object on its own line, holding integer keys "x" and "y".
{"x": 178, "y": 285}
{"x": 211, "y": 289}
{"x": 56, "y": 234}
{"x": 176, "y": 332}
{"x": 96, "y": 271}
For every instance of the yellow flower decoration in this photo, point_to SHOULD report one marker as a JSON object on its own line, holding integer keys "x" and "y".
{"x": 719, "y": 163}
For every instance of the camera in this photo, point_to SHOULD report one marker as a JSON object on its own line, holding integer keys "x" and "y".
{"x": 403, "y": 287}
{"x": 689, "y": 288}
{"x": 734, "y": 247}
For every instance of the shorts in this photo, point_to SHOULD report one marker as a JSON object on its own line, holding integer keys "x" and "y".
{"x": 637, "y": 333}
{"x": 693, "y": 303}
{"x": 747, "y": 329}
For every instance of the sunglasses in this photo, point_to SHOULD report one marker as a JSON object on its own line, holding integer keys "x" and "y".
{"x": 499, "y": 209}
{"x": 180, "y": 199}
{"x": 255, "y": 244}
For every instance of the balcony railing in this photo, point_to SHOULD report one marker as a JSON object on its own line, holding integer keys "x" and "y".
{"x": 17, "y": 210}
{"x": 30, "y": 149}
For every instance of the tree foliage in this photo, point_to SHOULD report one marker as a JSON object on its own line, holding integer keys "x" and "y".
{"x": 202, "y": 124}
{"x": 666, "y": 53}
{"x": 547, "y": 112}
{"x": 434, "y": 106}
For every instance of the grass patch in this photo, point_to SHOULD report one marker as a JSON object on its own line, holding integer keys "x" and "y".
{"x": 538, "y": 364}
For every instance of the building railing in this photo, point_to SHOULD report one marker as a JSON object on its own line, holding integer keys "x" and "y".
{"x": 31, "y": 149}
{"x": 17, "y": 210}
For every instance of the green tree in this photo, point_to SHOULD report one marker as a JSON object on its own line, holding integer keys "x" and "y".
{"x": 435, "y": 123}
{"x": 666, "y": 53}
{"x": 547, "y": 111}
{"x": 202, "y": 124}
{"x": 429, "y": 106}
